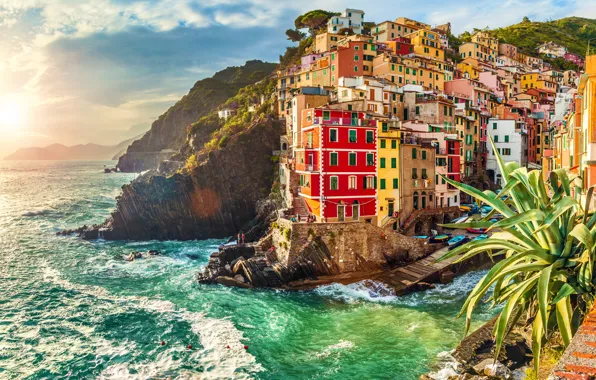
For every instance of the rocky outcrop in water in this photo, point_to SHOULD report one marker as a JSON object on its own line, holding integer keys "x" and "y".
{"x": 168, "y": 133}
{"x": 252, "y": 266}
{"x": 223, "y": 194}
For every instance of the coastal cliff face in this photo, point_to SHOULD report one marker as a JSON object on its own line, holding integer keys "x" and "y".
{"x": 169, "y": 131}
{"x": 213, "y": 200}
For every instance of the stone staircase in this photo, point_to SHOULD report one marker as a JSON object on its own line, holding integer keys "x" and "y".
{"x": 299, "y": 207}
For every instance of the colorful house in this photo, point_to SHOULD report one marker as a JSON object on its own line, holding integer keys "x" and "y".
{"x": 388, "y": 204}
{"x": 337, "y": 164}
{"x": 427, "y": 44}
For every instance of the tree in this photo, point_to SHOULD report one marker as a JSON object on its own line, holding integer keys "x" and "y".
{"x": 546, "y": 241}
{"x": 526, "y": 19}
{"x": 313, "y": 20}
{"x": 346, "y": 32}
{"x": 295, "y": 35}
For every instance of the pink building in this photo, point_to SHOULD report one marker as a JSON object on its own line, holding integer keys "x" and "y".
{"x": 577, "y": 59}
{"x": 466, "y": 88}
{"x": 493, "y": 82}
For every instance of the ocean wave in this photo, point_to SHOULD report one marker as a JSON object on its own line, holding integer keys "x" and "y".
{"x": 371, "y": 291}
{"x": 38, "y": 212}
{"x": 215, "y": 336}
{"x": 448, "y": 367}
{"x": 335, "y": 348}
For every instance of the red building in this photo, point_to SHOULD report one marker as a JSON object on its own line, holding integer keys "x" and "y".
{"x": 453, "y": 160}
{"x": 337, "y": 165}
{"x": 403, "y": 46}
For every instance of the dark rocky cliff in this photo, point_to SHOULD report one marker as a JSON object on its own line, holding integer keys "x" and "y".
{"x": 214, "y": 199}
{"x": 169, "y": 131}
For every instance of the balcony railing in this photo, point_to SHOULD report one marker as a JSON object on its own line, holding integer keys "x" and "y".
{"x": 344, "y": 121}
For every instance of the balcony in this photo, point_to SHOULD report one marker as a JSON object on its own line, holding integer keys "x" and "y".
{"x": 345, "y": 121}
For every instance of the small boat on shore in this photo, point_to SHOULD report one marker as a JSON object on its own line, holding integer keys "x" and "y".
{"x": 480, "y": 237}
{"x": 458, "y": 240}
{"x": 439, "y": 238}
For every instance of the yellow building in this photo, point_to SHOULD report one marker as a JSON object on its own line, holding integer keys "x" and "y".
{"x": 483, "y": 38}
{"x": 536, "y": 80}
{"x": 478, "y": 51}
{"x": 428, "y": 44}
{"x": 404, "y": 70}
{"x": 326, "y": 41}
{"x": 388, "y": 30}
{"x": 470, "y": 67}
{"x": 587, "y": 94}
{"x": 388, "y": 172}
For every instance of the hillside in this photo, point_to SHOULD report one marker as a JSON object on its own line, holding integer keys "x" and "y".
{"x": 82, "y": 152}
{"x": 573, "y": 32}
{"x": 169, "y": 130}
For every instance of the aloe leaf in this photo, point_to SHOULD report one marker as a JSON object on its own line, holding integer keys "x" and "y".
{"x": 544, "y": 285}
{"x": 564, "y": 314}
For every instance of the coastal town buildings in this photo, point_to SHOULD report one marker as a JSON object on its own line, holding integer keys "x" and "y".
{"x": 376, "y": 122}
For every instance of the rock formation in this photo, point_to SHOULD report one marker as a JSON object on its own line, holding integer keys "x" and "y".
{"x": 214, "y": 200}
{"x": 168, "y": 133}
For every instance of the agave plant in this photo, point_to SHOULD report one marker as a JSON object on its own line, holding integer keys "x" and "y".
{"x": 545, "y": 243}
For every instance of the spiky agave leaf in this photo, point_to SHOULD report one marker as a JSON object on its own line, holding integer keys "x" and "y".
{"x": 546, "y": 240}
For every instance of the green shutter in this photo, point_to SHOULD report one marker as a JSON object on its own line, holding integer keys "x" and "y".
{"x": 383, "y": 144}
{"x": 382, "y": 184}
{"x": 395, "y": 183}
{"x": 374, "y": 182}
{"x": 393, "y": 144}
{"x": 382, "y": 163}
{"x": 394, "y": 163}
{"x": 364, "y": 182}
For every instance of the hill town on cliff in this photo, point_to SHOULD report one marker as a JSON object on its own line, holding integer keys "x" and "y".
{"x": 333, "y": 159}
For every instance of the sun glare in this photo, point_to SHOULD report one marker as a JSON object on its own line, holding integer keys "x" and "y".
{"x": 12, "y": 115}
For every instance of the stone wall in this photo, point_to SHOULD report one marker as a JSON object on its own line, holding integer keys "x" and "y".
{"x": 353, "y": 246}
{"x": 421, "y": 222}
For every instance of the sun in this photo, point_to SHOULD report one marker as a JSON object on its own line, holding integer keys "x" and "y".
{"x": 12, "y": 115}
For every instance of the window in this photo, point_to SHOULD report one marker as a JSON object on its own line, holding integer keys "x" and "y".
{"x": 352, "y": 182}
{"x": 496, "y": 139}
{"x": 382, "y": 184}
{"x": 352, "y": 159}
{"x": 414, "y": 153}
{"x": 370, "y": 137}
{"x": 355, "y": 69}
{"x": 450, "y": 111}
{"x": 395, "y": 183}
{"x": 494, "y": 125}
{"x": 334, "y": 183}
{"x": 417, "y": 110}
{"x": 333, "y": 158}
{"x": 393, "y": 144}
{"x": 445, "y": 111}
{"x": 394, "y": 163}
{"x": 424, "y": 154}
{"x": 414, "y": 173}
{"x": 385, "y": 127}
{"x": 383, "y": 143}
{"x": 370, "y": 160}
{"x": 332, "y": 134}
{"x": 424, "y": 176}
{"x": 352, "y": 138}
{"x": 356, "y": 58}
{"x": 302, "y": 180}
{"x": 369, "y": 182}
{"x": 326, "y": 115}
{"x": 506, "y": 138}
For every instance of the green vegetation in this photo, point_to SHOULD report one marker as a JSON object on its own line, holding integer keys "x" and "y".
{"x": 546, "y": 243}
{"x": 313, "y": 20}
{"x": 287, "y": 233}
{"x": 573, "y": 32}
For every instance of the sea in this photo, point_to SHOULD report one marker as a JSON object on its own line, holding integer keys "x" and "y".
{"x": 75, "y": 309}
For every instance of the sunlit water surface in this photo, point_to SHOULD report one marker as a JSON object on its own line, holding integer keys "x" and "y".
{"x": 73, "y": 309}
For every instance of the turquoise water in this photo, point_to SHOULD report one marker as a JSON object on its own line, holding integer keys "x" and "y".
{"x": 72, "y": 309}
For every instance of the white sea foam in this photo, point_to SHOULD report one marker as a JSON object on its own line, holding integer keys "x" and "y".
{"x": 372, "y": 291}
{"x": 215, "y": 336}
{"x": 335, "y": 348}
{"x": 449, "y": 367}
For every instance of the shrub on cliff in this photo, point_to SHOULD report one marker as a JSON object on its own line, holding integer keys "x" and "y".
{"x": 546, "y": 242}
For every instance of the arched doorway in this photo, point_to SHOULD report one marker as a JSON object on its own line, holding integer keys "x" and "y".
{"x": 284, "y": 146}
{"x": 415, "y": 200}
{"x": 418, "y": 228}
{"x": 423, "y": 199}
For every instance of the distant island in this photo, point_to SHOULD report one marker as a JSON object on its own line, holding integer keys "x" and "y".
{"x": 72, "y": 153}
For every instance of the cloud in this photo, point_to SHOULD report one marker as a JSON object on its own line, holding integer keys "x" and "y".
{"x": 99, "y": 70}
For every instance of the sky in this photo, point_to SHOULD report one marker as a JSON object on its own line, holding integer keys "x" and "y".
{"x": 80, "y": 71}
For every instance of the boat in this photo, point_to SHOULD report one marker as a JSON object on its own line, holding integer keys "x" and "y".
{"x": 439, "y": 238}
{"x": 476, "y": 230}
{"x": 458, "y": 240}
{"x": 420, "y": 237}
{"x": 480, "y": 237}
